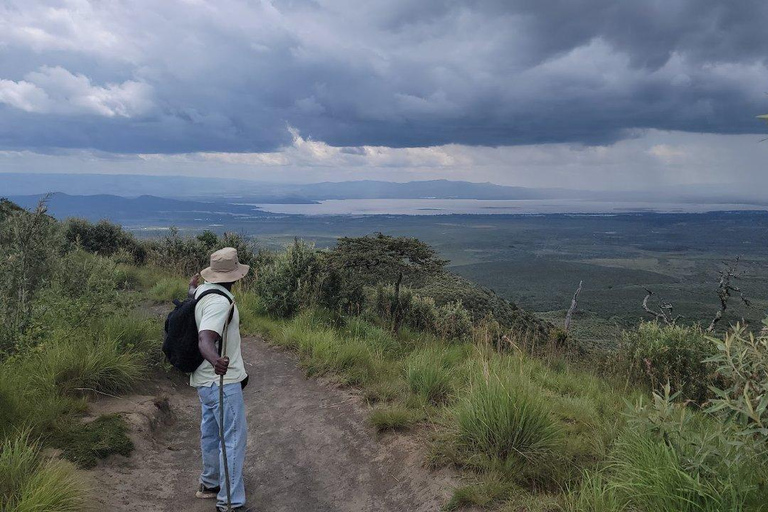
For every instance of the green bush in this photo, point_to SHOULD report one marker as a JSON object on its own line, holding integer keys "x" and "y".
{"x": 447, "y": 288}
{"x": 132, "y": 333}
{"x": 30, "y": 245}
{"x": 31, "y": 483}
{"x": 25, "y": 402}
{"x": 290, "y": 281}
{"x": 186, "y": 256}
{"x": 594, "y": 493}
{"x": 657, "y": 354}
{"x": 742, "y": 364}
{"x": 671, "y": 457}
{"x": 453, "y": 322}
{"x": 104, "y": 238}
{"x": 416, "y": 312}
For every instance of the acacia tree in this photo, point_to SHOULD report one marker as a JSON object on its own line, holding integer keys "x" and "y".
{"x": 383, "y": 259}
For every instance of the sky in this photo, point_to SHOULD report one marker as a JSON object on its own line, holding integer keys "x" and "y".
{"x": 590, "y": 94}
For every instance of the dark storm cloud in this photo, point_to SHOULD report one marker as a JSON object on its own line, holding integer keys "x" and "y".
{"x": 230, "y": 75}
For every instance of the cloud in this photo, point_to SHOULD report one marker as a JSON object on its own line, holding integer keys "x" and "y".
{"x": 57, "y": 91}
{"x": 655, "y": 160}
{"x": 227, "y": 76}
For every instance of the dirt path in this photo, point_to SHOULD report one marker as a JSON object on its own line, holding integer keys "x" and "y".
{"x": 309, "y": 450}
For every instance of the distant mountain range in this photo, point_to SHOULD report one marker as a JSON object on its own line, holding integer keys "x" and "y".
{"x": 126, "y": 185}
{"x": 245, "y": 191}
{"x": 163, "y": 211}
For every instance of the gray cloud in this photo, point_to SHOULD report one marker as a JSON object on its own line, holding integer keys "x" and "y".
{"x": 230, "y": 75}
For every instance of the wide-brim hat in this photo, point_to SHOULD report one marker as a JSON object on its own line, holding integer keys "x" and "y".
{"x": 225, "y": 267}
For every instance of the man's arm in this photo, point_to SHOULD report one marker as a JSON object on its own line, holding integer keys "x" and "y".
{"x": 207, "y": 344}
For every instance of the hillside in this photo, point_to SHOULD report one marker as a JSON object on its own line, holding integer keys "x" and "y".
{"x": 527, "y": 419}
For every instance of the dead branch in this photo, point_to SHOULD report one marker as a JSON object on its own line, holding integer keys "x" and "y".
{"x": 572, "y": 309}
{"x": 725, "y": 287}
{"x": 664, "y": 312}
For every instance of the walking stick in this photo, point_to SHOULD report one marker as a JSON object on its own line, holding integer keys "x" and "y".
{"x": 221, "y": 413}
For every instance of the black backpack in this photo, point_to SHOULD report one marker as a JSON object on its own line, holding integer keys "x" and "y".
{"x": 180, "y": 345}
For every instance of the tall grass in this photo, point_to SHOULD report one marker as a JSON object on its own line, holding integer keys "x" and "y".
{"x": 504, "y": 417}
{"x": 595, "y": 493}
{"x": 83, "y": 365}
{"x": 31, "y": 483}
{"x": 430, "y": 374}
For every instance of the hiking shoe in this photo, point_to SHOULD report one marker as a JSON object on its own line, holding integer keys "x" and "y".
{"x": 235, "y": 509}
{"x": 206, "y": 493}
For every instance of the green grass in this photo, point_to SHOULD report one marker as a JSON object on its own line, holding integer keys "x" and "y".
{"x": 85, "y": 444}
{"x": 43, "y": 392}
{"x": 166, "y": 289}
{"x": 31, "y": 483}
{"x": 430, "y": 374}
{"x": 505, "y": 417}
{"x": 89, "y": 365}
{"x": 392, "y": 417}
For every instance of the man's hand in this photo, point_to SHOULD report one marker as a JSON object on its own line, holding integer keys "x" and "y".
{"x": 193, "y": 285}
{"x": 220, "y": 368}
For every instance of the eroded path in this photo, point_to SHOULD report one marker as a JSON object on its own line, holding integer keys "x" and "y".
{"x": 309, "y": 450}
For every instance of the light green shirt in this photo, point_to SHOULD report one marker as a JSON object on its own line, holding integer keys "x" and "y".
{"x": 211, "y": 314}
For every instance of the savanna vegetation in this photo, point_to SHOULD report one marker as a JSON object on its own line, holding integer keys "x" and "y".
{"x": 673, "y": 420}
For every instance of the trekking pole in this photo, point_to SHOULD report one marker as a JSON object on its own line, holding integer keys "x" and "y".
{"x": 221, "y": 415}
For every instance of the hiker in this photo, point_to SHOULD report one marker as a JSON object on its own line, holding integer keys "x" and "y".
{"x": 211, "y": 314}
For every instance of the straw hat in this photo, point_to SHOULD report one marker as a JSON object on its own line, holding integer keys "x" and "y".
{"x": 225, "y": 268}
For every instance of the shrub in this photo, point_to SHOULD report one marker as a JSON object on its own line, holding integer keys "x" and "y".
{"x": 671, "y": 457}
{"x": 104, "y": 238}
{"x": 453, "y": 322}
{"x": 657, "y": 354}
{"x": 416, "y": 312}
{"x": 448, "y": 288}
{"x": 131, "y": 333}
{"x": 289, "y": 282}
{"x": 506, "y": 418}
{"x": 30, "y": 243}
{"x": 742, "y": 362}
{"x": 181, "y": 255}
{"x": 24, "y": 402}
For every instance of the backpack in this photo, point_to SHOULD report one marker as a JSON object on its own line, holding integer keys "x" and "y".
{"x": 180, "y": 344}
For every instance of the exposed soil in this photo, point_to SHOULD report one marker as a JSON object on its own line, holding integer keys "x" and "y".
{"x": 309, "y": 449}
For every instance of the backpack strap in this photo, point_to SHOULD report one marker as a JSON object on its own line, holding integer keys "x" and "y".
{"x": 214, "y": 291}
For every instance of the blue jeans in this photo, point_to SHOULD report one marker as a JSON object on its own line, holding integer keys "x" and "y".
{"x": 235, "y": 437}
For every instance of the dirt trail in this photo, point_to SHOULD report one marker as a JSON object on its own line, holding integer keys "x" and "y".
{"x": 309, "y": 450}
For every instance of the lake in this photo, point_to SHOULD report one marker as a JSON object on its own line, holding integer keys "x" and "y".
{"x": 497, "y": 207}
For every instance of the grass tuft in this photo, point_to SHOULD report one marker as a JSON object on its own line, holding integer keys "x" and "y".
{"x": 505, "y": 417}
{"x": 392, "y": 417}
{"x": 89, "y": 365}
{"x": 429, "y": 376}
